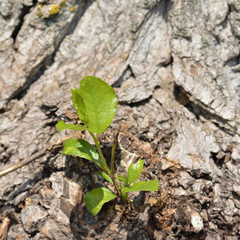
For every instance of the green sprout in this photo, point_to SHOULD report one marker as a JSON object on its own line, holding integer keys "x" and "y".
{"x": 96, "y": 105}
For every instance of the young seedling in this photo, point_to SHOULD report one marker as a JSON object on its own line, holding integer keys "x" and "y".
{"x": 96, "y": 105}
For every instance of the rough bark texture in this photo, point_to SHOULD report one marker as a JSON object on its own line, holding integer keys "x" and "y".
{"x": 175, "y": 68}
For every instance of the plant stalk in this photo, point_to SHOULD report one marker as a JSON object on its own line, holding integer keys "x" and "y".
{"x": 105, "y": 166}
{"x": 113, "y": 151}
{"x": 115, "y": 183}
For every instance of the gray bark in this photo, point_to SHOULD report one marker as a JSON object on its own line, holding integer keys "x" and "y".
{"x": 175, "y": 68}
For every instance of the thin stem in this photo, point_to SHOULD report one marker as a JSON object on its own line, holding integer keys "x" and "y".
{"x": 113, "y": 151}
{"x": 116, "y": 186}
{"x": 105, "y": 166}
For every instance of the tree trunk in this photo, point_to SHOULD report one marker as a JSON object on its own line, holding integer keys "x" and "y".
{"x": 175, "y": 68}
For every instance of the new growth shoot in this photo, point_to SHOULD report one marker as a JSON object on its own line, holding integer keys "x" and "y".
{"x": 96, "y": 105}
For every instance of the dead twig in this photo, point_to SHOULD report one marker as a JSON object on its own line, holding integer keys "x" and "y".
{"x": 22, "y": 163}
{"x": 37, "y": 155}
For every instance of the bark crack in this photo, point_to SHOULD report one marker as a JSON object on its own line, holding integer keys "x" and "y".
{"x": 184, "y": 99}
{"x": 39, "y": 70}
{"x": 24, "y": 12}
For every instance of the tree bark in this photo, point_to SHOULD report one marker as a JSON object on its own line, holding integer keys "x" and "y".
{"x": 175, "y": 68}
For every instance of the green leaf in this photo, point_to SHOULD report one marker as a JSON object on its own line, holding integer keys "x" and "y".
{"x": 78, "y": 104}
{"x": 96, "y": 198}
{"x": 61, "y": 125}
{"x": 151, "y": 185}
{"x": 122, "y": 179}
{"x": 105, "y": 176}
{"x": 124, "y": 194}
{"x": 96, "y": 103}
{"x": 82, "y": 148}
{"x": 134, "y": 171}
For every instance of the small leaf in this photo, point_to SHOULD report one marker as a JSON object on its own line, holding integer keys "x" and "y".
{"x": 124, "y": 194}
{"x": 134, "y": 171}
{"x": 61, "y": 125}
{"x": 121, "y": 178}
{"x": 105, "y": 176}
{"x": 96, "y": 103}
{"x": 96, "y": 198}
{"x": 79, "y": 105}
{"x": 151, "y": 185}
{"x": 82, "y": 148}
